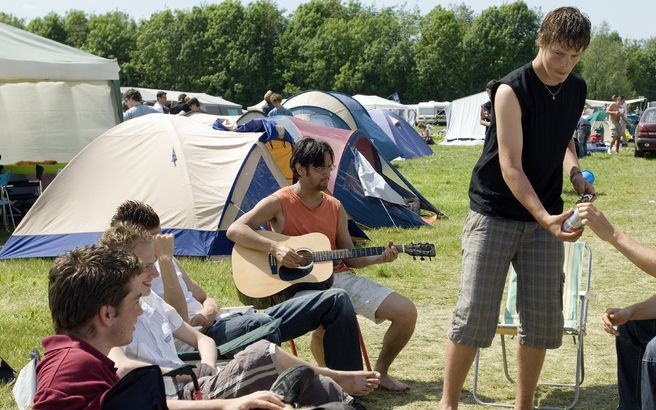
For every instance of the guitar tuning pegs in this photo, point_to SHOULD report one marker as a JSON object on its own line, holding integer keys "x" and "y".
{"x": 421, "y": 258}
{"x": 414, "y": 258}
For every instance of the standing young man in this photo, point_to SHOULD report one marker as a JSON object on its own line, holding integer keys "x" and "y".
{"x": 516, "y": 209}
{"x": 303, "y": 208}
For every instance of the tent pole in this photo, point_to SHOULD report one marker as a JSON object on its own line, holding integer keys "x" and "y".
{"x": 388, "y": 214}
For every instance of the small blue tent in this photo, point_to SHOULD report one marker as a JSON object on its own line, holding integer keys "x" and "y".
{"x": 402, "y": 133}
{"x": 338, "y": 110}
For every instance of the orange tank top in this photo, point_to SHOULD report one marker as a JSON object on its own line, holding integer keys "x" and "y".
{"x": 301, "y": 219}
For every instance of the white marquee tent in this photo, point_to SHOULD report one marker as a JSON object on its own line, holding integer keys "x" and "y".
{"x": 374, "y": 102}
{"x": 55, "y": 99}
{"x": 463, "y": 121}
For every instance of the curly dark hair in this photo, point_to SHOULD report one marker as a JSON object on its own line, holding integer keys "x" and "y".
{"x": 138, "y": 213}
{"x": 566, "y": 26}
{"x": 309, "y": 151}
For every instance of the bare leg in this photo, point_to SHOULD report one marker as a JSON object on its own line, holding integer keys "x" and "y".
{"x": 457, "y": 363}
{"x": 529, "y": 365}
{"x": 356, "y": 383}
{"x": 402, "y": 314}
{"x": 316, "y": 346}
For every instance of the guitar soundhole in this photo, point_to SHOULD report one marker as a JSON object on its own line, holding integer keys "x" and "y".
{"x": 307, "y": 257}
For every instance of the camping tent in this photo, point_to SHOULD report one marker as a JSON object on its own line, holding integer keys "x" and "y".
{"x": 208, "y": 103}
{"x": 402, "y": 133}
{"x": 55, "y": 98}
{"x": 374, "y": 102}
{"x": 198, "y": 179}
{"x": 337, "y": 110}
{"x": 373, "y": 192}
{"x": 463, "y": 120}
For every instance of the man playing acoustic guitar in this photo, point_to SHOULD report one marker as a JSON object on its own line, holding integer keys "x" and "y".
{"x": 304, "y": 208}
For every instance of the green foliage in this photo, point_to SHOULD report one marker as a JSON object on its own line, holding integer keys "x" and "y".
{"x": 51, "y": 26}
{"x": 12, "y": 20}
{"x": 439, "y": 55}
{"x": 605, "y": 65}
{"x": 112, "y": 35}
{"x": 498, "y": 41}
{"x": 641, "y": 67}
{"x": 76, "y": 25}
{"x": 238, "y": 51}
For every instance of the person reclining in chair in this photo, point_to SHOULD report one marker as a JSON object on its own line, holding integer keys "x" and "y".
{"x": 330, "y": 309}
{"x": 304, "y": 208}
{"x": 155, "y": 329}
{"x": 94, "y": 295}
{"x": 634, "y": 326}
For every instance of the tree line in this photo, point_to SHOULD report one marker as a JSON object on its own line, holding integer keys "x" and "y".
{"x": 238, "y": 51}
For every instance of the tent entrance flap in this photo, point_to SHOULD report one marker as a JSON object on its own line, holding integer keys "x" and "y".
{"x": 373, "y": 184}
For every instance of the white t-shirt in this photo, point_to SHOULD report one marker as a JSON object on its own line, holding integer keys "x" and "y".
{"x": 153, "y": 340}
{"x": 158, "y": 107}
{"x": 193, "y": 306}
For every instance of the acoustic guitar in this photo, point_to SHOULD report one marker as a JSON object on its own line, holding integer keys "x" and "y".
{"x": 262, "y": 283}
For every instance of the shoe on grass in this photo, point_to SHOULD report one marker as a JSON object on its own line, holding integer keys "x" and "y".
{"x": 292, "y": 383}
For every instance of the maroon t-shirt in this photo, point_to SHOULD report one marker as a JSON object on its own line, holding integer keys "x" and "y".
{"x": 72, "y": 375}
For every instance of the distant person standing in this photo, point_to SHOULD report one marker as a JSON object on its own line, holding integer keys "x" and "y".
{"x": 615, "y": 113}
{"x": 516, "y": 209}
{"x": 134, "y": 103}
{"x": 160, "y": 105}
{"x": 486, "y": 109}
{"x": 182, "y": 106}
{"x": 278, "y": 109}
{"x": 267, "y": 102}
{"x": 583, "y": 129}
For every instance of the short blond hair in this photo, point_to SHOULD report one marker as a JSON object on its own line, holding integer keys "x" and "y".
{"x": 125, "y": 236}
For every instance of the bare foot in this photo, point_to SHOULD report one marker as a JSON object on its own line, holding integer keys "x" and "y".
{"x": 358, "y": 383}
{"x": 387, "y": 382}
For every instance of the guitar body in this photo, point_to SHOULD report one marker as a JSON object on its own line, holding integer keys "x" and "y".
{"x": 262, "y": 284}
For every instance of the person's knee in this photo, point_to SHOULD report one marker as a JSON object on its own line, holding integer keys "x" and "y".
{"x": 397, "y": 308}
{"x": 341, "y": 300}
{"x": 257, "y": 320}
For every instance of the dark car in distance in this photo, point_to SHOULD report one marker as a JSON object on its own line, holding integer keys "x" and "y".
{"x": 645, "y": 133}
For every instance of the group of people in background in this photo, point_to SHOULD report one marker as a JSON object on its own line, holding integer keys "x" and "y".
{"x": 134, "y": 105}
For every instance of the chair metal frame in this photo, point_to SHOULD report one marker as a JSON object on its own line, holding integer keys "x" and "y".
{"x": 508, "y": 326}
{"x": 6, "y": 203}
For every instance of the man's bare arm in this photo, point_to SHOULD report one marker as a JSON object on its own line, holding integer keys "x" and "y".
{"x": 510, "y": 140}
{"x": 172, "y": 291}
{"x": 242, "y": 232}
{"x": 642, "y": 256}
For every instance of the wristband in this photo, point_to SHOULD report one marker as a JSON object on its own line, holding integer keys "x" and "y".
{"x": 575, "y": 173}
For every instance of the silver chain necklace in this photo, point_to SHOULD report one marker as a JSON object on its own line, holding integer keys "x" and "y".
{"x": 553, "y": 95}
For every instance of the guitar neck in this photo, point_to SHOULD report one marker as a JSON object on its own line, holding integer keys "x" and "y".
{"x": 321, "y": 256}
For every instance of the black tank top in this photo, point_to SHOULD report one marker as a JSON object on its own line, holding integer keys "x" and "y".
{"x": 547, "y": 125}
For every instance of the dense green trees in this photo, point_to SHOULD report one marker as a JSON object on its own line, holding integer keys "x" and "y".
{"x": 239, "y": 51}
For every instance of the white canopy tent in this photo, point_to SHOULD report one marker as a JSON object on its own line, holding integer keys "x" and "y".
{"x": 55, "y": 99}
{"x": 210, "y": 103}
{"x": 373, "y": 102}
{"x": 463, "y": 121}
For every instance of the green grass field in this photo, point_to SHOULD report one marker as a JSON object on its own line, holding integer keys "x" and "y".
{"x": 624, "y": 196}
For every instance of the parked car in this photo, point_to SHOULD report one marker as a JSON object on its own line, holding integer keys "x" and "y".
{"x": 645, "y": 135}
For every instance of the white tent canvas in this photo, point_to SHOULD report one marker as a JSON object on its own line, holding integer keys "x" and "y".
{"x": 373, "y": 102}
{"x": 55, "y": 99}
{"x": 463, "y": 121}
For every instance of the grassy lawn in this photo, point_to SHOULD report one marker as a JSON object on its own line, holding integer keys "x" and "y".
{"x": 624, "y": 196}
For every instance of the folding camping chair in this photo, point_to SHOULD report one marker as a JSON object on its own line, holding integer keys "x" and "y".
{"x": 576, "y": 291}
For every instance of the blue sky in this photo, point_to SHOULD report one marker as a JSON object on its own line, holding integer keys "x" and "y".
{"x": 632, "y": 20}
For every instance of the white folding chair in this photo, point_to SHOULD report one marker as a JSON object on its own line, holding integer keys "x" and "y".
{"x": 576, "y": 291}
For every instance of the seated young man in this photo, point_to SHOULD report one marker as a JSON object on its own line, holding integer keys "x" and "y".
{"x": 331, "y": 309}
{"x": 254, "y": 369}
{"x": 634, "y": 326}
{"x": 94, "y": 295}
